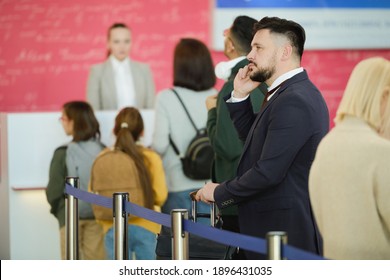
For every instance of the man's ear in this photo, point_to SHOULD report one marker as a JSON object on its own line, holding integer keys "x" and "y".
{"x": 287, "y": 52}
{"x": 230, "y": 46}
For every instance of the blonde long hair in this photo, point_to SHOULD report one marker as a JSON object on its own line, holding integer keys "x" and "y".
{"x": 367, "y": 88}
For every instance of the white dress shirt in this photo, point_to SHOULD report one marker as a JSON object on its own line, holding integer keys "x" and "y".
{"x": 124, "y": 83}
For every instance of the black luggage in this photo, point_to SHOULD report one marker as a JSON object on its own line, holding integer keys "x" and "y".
{"x": 199, "y": 247}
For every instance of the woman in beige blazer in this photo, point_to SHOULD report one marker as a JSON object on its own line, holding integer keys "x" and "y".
{"x": 119, "y": 81}
{"x": 349, "y": 180}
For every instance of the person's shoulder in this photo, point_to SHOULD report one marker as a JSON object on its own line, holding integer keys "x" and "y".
{"x": 99, "y": 67}
{"x": 61, "y": 149}
{"x": 149, "y": 153}
{"x": 239, "y": 65}
{"x": 139, "y": 64}
{"x": 382, "y": 145}
{"x": 60, "y": 153}
{"x": 152, "y": 156}
{"x": 163, "y": 94}
{"x": 200, "y": 94}
{"x": 373, "y": 148}
{"x": 105, "y": 151}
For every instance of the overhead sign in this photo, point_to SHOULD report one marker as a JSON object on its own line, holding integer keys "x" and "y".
{"x": 329, "y": 24}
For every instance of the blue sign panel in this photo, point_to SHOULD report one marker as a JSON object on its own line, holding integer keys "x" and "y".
{"x": 329, "y": 24}
{"x": 303, "y": 4}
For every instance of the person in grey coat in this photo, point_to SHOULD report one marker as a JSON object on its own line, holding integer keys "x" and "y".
{"x": 120, "y": 81}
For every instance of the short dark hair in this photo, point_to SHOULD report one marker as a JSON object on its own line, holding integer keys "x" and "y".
{"x": 85, "y": 124}
{"x": 294, "y": 32}
{"x": 192, "y": 65}
{"x": 241, "y": 33}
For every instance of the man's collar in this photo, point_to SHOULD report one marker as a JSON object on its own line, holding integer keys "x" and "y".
{"x": 285, "y": 77}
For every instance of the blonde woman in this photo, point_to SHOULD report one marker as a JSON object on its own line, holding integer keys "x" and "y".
{"x": 349, "y": 180}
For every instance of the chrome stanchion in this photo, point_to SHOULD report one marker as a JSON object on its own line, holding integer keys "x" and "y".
{"x": 180, "y": 240}
{"x": 71, "y": 222}
{"x": 194, "y": 210}
{"x": 213, "y": 216}
{"x": 120, "y": 217}
{"x": 275, "y": 242}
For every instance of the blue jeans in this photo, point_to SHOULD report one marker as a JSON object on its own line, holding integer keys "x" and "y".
{"x": 182, "y": 200}
{"x": 141, "y": 241}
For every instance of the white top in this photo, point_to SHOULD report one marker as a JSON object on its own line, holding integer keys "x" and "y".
{"x": 124, "y": 83}
{"x": 170, "y": 118}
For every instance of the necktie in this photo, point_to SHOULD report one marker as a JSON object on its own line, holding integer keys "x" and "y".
{"x": 269, "y": 93}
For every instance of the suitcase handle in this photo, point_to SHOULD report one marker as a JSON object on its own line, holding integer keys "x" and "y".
{"x": 194, "y": 211}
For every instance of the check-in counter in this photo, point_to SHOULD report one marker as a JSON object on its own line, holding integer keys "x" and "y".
{"x": 28, "y": 231}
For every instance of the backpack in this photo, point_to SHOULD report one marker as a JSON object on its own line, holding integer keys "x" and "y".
{"x": 114, "y": 171}
{"x": 198, "y": 158}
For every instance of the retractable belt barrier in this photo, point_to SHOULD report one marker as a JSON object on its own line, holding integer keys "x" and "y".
{"x": 245, "y": 242}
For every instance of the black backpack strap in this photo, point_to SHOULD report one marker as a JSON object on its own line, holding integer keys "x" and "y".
{"x": 174, "y": 146}
{"x": 185, "y": 109}
{"x": 188, "y": 114}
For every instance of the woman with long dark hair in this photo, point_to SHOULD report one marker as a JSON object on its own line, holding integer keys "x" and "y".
{"x": 194, "y": 81}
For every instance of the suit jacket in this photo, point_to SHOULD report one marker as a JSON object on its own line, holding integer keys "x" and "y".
{"x": 101, "y": 89}
{"x": 349, "y": 188}
{"x": 271, "y": 187}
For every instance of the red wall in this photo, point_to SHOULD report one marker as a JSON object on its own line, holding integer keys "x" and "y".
{"x": 47, "y": 47}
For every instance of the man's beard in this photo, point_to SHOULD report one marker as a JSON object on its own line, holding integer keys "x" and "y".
{"x": 262, "y": 75}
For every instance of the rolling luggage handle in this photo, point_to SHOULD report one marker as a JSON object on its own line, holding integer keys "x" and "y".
{"x": 199, "y": 248}
{"x": 231, "y": 251}
{"x": 214, "y": 218}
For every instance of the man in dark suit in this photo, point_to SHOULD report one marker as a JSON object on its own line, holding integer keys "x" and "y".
{"x": 271, "y": 186}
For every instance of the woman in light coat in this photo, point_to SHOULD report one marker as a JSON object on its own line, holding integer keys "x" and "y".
{"x": 349, "y": 180}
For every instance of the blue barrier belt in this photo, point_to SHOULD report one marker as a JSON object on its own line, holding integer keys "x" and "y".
{"x": 246, "y": 242}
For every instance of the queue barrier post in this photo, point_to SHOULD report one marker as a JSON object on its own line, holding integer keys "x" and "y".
{"x": 71, "y": 222}
{"x": 120, "y": 225}
{"x": 275, "y": 242}
{"x": 180, "y": 239}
